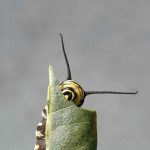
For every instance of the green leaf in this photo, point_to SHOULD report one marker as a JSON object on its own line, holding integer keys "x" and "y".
{"x": 68, "y": 127}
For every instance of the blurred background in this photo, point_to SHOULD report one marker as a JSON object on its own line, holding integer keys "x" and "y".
{"x": 107, "y": 43}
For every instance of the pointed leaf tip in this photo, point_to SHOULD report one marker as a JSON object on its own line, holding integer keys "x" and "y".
{"x": 52, "y": 78}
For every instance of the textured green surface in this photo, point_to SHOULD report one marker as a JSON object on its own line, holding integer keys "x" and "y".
{"x": 68, "y": 127}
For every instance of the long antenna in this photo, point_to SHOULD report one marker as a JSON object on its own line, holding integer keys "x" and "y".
{"x": 66, "y": 59}
{"x": 107, "y": 92}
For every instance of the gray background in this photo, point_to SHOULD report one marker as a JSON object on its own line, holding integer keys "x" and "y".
{"x": 107, "y": 43}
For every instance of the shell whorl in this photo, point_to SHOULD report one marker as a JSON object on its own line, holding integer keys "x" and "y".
{"x": 40, "y": 132}
{"x": 72, "y": 92}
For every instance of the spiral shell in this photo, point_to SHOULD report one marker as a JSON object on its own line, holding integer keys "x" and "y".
{"x": 73, "y": 92}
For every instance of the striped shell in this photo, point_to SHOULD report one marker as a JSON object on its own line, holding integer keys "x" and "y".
{"x": 40, "y": 132}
